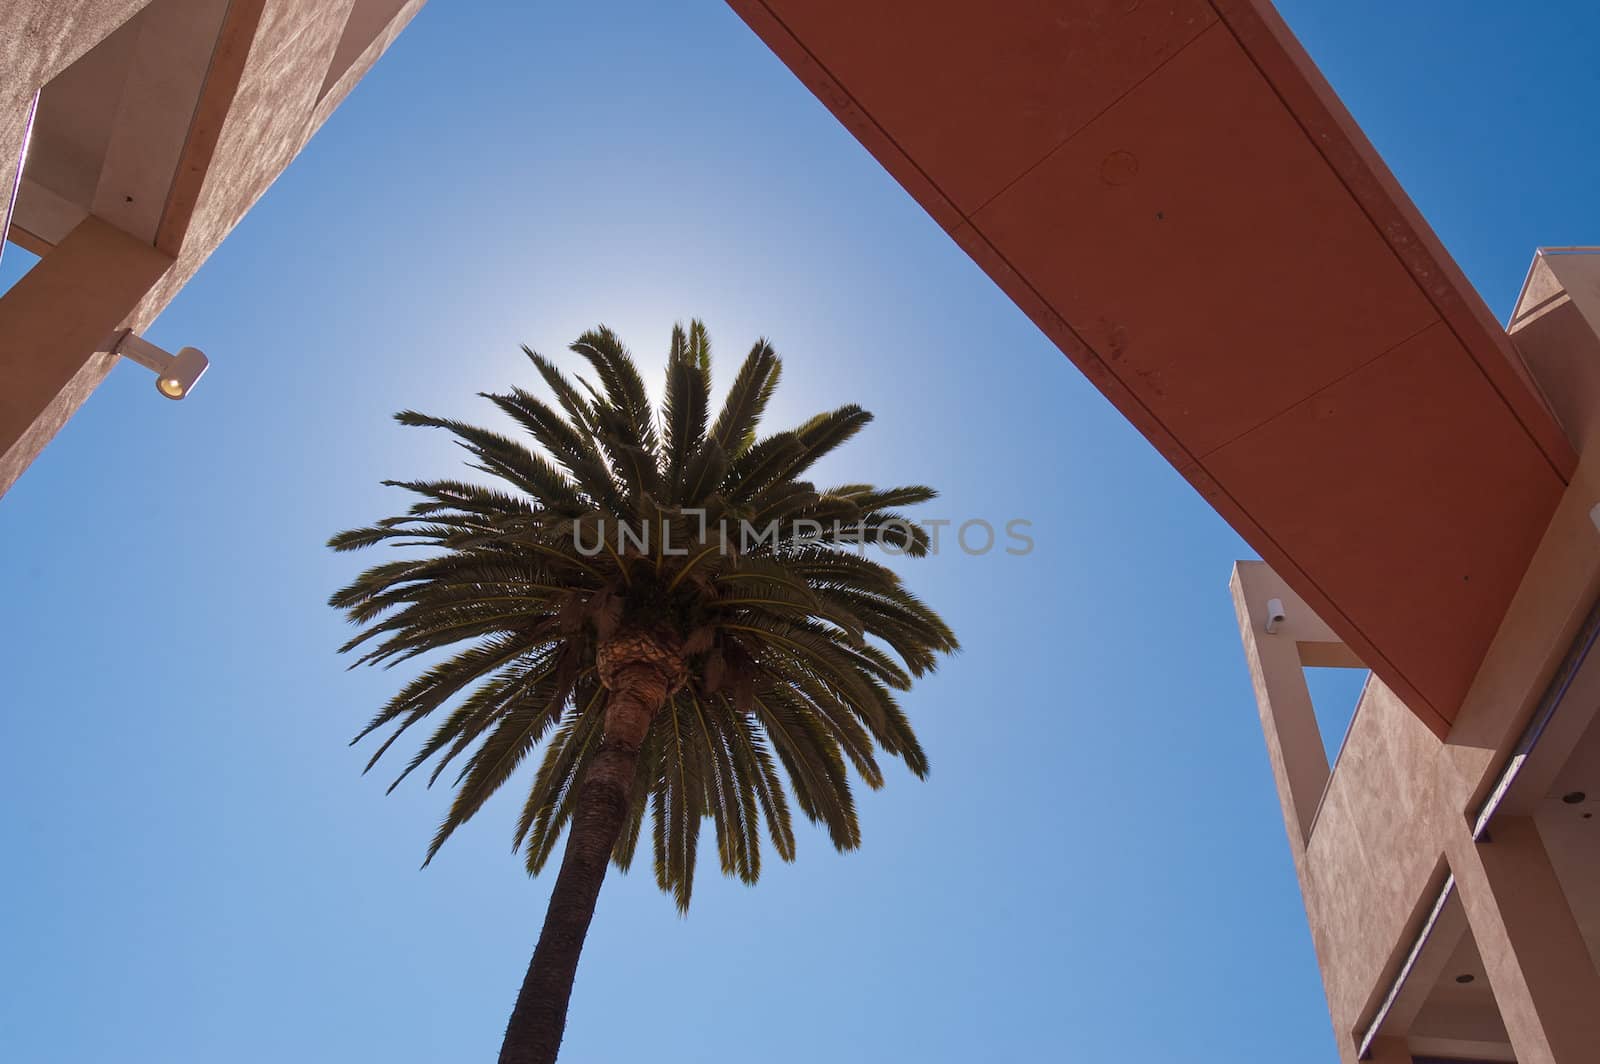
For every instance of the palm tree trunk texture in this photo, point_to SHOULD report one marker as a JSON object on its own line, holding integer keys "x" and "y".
{"x": 533, "y": 1034}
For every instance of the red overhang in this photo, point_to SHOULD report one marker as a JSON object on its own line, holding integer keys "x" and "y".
{"x": 1173, "y": 194}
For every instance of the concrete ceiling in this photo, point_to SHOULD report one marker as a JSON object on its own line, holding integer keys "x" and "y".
{"x": 111, "y": 127}
{"x": 1559, "y": 786}
{"x": 1446, "y": 1009}
{"x": 1568, "y": 816}
{"x": 1460, "y": 1020}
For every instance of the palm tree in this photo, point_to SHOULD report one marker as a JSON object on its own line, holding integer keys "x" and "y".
{"x": 631, "y": 596}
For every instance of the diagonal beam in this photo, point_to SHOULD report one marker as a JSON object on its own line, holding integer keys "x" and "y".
{"x": 1172, "y": 193}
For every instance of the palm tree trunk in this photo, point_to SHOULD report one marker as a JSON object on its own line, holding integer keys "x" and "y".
{"x": 533, "y": 1034}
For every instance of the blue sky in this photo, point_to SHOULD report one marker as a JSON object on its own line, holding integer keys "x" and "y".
{"x": 1095, "y": 870}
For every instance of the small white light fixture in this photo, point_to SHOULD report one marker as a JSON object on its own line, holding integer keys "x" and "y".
{"x": 1274, "y": 615}
{"x": 1594, "y": 515}
{"x": 176, "y": 375}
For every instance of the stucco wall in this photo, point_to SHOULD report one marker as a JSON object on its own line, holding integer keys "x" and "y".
{"x": 1374, "y": 850}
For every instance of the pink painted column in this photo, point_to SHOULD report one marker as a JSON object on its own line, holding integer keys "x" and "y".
{"x": 1544, "y": 982}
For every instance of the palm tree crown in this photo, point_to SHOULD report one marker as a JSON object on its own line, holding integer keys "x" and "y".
{"x": 774, "y": 640}
{"x": 633, "y": 582}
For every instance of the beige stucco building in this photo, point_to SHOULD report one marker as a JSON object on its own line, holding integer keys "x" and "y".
{"x": 134, "y": 134}
{"x": 1453, "y": 881}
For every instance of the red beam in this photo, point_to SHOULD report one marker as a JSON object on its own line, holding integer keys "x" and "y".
{"x": 1170, "y": 190}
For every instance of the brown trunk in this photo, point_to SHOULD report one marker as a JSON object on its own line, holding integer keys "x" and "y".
{"x": 533, "y": 1035}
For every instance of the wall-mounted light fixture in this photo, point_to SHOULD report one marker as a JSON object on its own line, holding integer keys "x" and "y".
{"x": 1274, "y": 615}
{"x": 176, "y": 375}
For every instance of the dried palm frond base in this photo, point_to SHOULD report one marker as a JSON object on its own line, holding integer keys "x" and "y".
{"x": 656, "y": 649}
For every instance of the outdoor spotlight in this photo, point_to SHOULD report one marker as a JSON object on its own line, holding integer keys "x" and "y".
{"x": 176, "y": 375}
{"x": 1274, "y": 615}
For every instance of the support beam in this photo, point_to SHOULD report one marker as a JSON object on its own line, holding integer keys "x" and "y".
{"x": 254, "y": 117}
{"x": 53, "y": 325}
{"x": 1556, "y": 327}
{"x": 1544, "y": 982}
{"x": 369, "y": 21}
{"x": 172, "y": 45}
{"x": 1288, "y": 719}
{"x": 1178, "y": 200}
{"x": 346, "y": 68}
